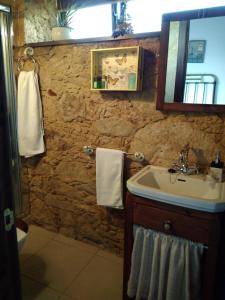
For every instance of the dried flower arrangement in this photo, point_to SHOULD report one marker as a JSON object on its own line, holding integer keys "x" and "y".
{"x": 122, "y": 22}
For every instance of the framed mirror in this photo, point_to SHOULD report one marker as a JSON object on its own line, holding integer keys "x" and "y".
{"x": 192, "y": 61}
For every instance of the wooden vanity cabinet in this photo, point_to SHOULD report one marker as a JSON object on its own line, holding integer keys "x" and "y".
{"x": 197, "y": 226}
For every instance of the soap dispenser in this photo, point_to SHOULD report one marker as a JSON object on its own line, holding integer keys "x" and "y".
{"x": 216, "y": 168}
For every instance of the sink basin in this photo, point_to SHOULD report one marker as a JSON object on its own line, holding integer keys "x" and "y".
{"x": 200, "y": 192}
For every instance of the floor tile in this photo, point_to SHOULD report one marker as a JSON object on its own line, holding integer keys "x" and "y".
{"x": 110, "y": 256}
{"x": 36, "y": 230}
{"x": 23, "y": 257}
{"x": 33, "y": 290}
{"x": 100, "y": 280}
{"x": 56, "y": 265}
{"x": 37, "y": 238}
{"x": 66, "y": 298}
{"x": 77, "y": 244}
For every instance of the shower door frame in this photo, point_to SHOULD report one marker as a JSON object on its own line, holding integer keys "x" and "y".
{"x": 10, "y": 287}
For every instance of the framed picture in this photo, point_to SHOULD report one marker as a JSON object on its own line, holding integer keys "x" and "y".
{"x": 196, "y": 51}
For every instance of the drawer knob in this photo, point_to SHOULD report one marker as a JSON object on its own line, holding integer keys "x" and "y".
{"x": 167, "y": 225}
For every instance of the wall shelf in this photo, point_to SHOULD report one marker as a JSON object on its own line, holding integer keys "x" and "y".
{"x": 117, "y": 69}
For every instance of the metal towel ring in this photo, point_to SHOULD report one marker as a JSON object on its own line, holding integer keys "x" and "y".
{"x": 21, "y": 61}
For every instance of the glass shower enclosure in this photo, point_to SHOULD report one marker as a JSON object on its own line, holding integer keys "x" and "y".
{"x": 10, "y": 192}
{"x": 9, "y": 101}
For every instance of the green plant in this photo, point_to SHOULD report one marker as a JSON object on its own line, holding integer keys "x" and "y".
{"x": 65, "y": 13}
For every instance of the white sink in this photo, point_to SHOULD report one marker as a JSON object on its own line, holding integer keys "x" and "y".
{"x": 199, "y": 192}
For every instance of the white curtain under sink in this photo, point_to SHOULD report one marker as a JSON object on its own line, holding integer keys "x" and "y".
{"x": 164, "y": 267}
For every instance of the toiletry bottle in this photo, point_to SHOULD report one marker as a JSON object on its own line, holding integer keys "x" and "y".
{"x": 131, "y": 81}
{"x": 216, "y": 168}
{"x": 95, "y": 82}
{"x": 99, "y": 82}
{"x": 104, "y": 82}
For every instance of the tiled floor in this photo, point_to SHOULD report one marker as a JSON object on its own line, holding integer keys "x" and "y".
{"x": 54, "y": 267}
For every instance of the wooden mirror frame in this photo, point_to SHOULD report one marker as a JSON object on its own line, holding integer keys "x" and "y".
{"x": 182, "y": 60}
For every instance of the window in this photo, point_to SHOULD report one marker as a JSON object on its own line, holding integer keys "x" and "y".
{"x": 146, "y": 15}
{"x": 97, "y": 21}
{"x": 94, "y": 21}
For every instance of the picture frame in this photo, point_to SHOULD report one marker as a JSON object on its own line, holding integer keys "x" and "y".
{"x": 196, "y": 51}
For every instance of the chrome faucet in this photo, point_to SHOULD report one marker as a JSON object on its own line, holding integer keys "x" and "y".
{"x": 182, "y": 165}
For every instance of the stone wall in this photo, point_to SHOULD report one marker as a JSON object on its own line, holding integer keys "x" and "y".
{"x": 60, "y": 185}
{"x": 39, "y": 18}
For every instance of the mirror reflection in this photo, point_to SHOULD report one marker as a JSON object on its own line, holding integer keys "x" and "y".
{"x": 199, "y": 45}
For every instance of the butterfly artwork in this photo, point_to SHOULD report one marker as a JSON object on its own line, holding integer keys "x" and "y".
{"x": 132, "y": 68}
{"x": 115, "y": 70}
{"x": 123, "y": 60}
{"x": 112, "y": 81}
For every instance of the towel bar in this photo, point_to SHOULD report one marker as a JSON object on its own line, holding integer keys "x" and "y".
{"x": 138, "y": 156}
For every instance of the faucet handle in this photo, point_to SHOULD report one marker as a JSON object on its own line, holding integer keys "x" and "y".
{"x": 184, "y": 153}
{"x": 186, "y": 148}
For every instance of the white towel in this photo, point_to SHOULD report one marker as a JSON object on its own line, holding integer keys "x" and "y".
{"x": 29, "y": 115}
{"x": 109, "y": 177}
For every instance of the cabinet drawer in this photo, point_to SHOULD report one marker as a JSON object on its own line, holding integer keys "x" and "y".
{"x": 189, "y": 227}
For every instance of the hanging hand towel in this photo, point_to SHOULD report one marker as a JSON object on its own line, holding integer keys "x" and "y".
{"x": 109, "y": 177}
{"x": 29, "y": 115}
